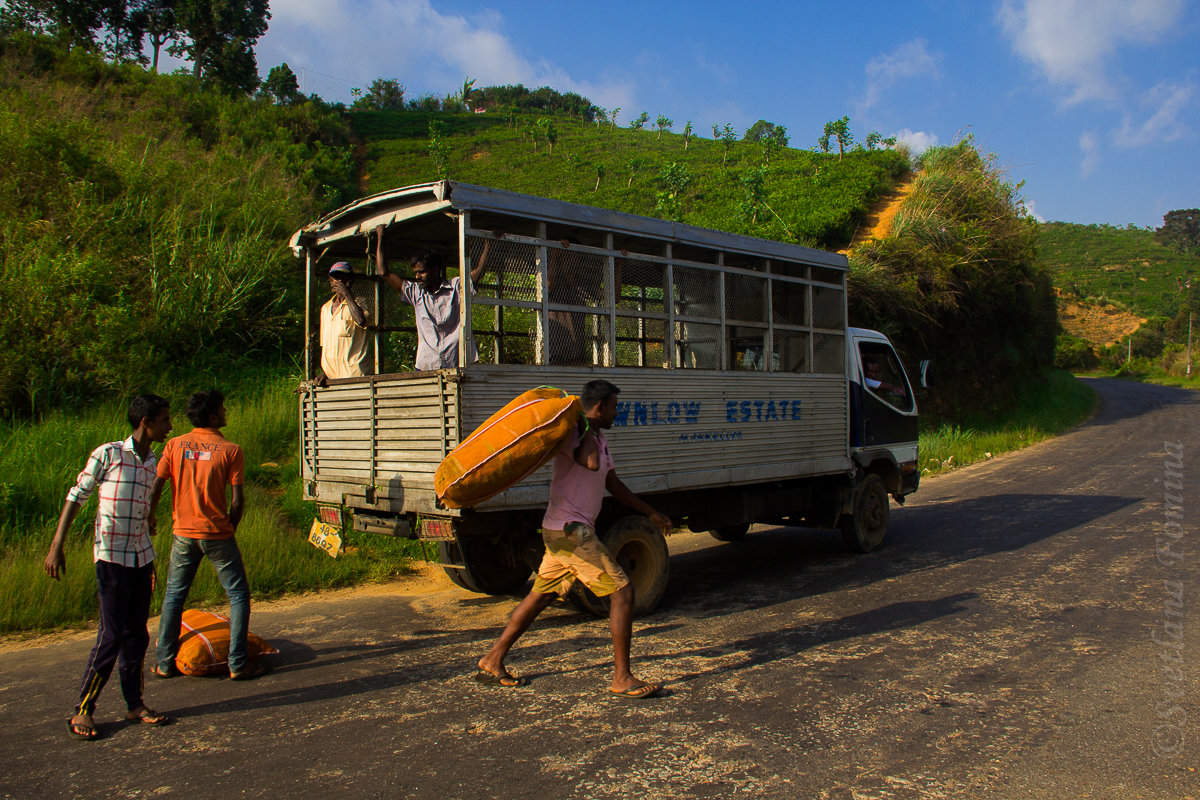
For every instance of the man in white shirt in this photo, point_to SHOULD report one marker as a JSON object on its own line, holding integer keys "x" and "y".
{"x": 435, "y": 301}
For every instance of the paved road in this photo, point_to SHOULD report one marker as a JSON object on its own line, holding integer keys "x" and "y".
{"x": 999, "y": 646}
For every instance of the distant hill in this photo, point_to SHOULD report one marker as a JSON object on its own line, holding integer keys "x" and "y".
{"x": 1124, "y": 266}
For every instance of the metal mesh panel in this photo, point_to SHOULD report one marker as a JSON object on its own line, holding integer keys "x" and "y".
{"x": 698, "y": 344}
{"x": 789, "y": 303}
{"x": 577, "y": 338}
{"x": 791, "y": 351}
{"x": 576, "y": 278}
{"x": 510, "y": 331}
{"x": 697, "y": 292}
{"x": 745, "y": 298}
{"x": 397, "y": 348}
{"x": 829, "y": 353}
{"x": 640, "y": 342}
{"x": 828, "y": 308}
{"x": 510, "y": 269}
{"x": 641, "y": 284}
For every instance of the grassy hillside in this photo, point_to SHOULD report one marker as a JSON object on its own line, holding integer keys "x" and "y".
{"x": 144, "y": 223}
{"x": 790, "y": 195}
{"x": 1116, "y": 265}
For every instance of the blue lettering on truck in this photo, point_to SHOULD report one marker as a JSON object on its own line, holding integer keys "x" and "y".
{"x": 677, "y": 412}
{"x": 761, "y": 410}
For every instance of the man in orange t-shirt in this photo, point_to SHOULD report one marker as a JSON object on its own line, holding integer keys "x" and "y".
{"x": 200, "y": 465}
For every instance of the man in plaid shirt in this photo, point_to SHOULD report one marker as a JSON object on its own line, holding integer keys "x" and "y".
{"x": 123, "y": 472}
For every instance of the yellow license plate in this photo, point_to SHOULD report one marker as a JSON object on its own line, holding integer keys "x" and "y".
{"x": 324, "y": 536}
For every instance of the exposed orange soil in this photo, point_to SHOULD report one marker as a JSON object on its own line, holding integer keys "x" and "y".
{"x": 1101, "y": 325}
{"x": 879, "y": 221}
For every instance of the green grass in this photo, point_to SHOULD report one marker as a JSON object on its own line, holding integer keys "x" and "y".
{"x": 1044, "y": 410}
{"x": 40, "y": 461}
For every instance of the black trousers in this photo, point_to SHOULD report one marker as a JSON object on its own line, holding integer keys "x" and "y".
{"x": 124, "y": 606}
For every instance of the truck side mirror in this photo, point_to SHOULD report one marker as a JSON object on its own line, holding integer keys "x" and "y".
{"x": 926, "y": 374}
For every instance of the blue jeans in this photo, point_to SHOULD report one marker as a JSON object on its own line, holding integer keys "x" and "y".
{"x": 186, "y": 555}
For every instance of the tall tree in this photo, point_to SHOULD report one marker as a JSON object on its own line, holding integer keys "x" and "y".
{"x": 758, "y": 130}
{"x": 837, "y": 129}
{"x": 384, "y": 94}
{"x": 773, "y": 141}
{"x": 156, "y": 18}
{"x": 281, "y": 86}
{"x": 662, "y": 122}
{"x": 687, "y": 134}
{"x": 640, "y": 122}
{"x": 728, "y": 137}
{"x": 219, "y": 38}
{"x": 1181, "y": 230}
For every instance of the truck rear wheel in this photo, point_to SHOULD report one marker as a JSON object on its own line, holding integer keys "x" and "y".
{"x": 730, "y": 533}
{"x": 863, "y": 529}
{"x": 484, "y": 568}
{"x": 641, "y": 549}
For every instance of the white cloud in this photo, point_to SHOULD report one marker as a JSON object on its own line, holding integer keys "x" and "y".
{"x": 909, "y": 60}
{"x": 918, "y": 141}
{"x": 336, "y": 44}
{"x": 1031, "y": 210}
{"x": 1167, "y": 102}
{"x": 1073, "y": 42}
{"x": 1089, "y": 145}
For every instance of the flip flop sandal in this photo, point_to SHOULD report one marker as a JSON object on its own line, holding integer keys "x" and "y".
{"x": 505, "y": 681}
{"x": 639, "y": 692}
{"x": 146, "y": 716}
{"x": 90, "y": 733}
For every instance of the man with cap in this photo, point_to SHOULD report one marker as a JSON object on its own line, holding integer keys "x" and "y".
{"x": 343, "y": 327}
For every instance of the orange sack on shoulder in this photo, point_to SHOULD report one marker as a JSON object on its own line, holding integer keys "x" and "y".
{"x": 508, "y": 447}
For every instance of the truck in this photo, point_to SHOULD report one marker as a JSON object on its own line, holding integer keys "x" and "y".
{"x": 744, "y": 396}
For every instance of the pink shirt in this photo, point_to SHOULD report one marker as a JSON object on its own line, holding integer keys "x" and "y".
{"x": 576, "y": 492}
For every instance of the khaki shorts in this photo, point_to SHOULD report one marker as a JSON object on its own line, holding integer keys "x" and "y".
{"x": 576, "y": 554}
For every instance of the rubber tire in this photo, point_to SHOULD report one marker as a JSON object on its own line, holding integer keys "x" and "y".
{"x": 864, "y": 529}
{"x": 730, "y": 533}
{"x": 486, "y": 572}
{"x": 640, "y": 548}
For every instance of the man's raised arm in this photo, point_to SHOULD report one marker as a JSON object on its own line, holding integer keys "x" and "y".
{"x": 390, "y": 278}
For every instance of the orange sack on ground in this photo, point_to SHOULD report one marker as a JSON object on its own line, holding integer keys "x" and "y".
{"x": 509, "y": 446}
{"x": 204, "y": 644}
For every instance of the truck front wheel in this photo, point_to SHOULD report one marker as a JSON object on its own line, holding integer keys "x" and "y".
{"x": 864, "y": 528}
{"x": 641, "y": 549}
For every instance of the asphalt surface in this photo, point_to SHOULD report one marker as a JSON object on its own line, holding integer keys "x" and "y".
{"x": 1000, "y": 645}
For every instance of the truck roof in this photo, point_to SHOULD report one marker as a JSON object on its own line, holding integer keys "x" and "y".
{"x": 341, "y": 231}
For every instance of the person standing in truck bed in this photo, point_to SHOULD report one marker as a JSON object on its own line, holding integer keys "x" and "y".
{"x": 436, "y": 303}
{"x": 581, "y": 472}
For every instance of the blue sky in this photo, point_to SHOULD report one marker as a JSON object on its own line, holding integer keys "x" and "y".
{"x": 1095, "y": 104}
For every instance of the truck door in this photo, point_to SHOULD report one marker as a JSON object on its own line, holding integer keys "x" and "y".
{"x": 883, "y": 411}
